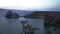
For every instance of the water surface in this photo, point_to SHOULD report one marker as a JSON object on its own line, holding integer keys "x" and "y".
{"x": 13, "y": 26}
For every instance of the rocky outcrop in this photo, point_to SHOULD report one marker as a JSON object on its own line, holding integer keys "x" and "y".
{"x": 11, "y": 15}
{"x": 52, "y": 20}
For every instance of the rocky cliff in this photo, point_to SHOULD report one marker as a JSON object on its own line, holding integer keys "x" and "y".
{"x": 10, "y": 14}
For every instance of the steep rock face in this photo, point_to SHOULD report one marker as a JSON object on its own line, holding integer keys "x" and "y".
{"x": 11, "y": 15}
{"x": 51, "y": 19}
{"x": 15, "y": 15}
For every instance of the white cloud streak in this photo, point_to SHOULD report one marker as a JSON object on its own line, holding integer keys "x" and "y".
{"x": 27, "y": 4}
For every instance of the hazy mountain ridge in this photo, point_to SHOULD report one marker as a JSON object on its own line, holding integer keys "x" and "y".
{"x": 38, "y": 14}
{"x": 20, "y": 12}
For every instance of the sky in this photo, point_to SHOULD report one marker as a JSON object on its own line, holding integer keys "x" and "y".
{"x": 31, "y": 4}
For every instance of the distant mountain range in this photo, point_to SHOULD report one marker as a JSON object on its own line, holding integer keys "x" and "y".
{"x": 25, "y": 12}
{"x": 20, "y": 12}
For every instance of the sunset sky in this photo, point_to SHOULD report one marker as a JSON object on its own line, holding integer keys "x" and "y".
{"x": 30, "y": 4}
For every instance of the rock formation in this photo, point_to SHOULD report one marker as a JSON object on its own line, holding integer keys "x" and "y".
{"x": 11, "y": 15}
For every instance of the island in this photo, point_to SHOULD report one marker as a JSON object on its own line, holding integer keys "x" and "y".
{"x": 10, "y": 14}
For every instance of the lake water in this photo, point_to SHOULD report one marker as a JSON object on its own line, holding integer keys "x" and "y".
{"x": 13, "y": 26}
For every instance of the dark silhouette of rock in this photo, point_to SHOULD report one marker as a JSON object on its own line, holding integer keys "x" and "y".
{"x": 11, "y": 15}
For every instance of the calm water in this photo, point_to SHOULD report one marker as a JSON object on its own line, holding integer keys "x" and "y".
{"x": 13, "y": 26}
